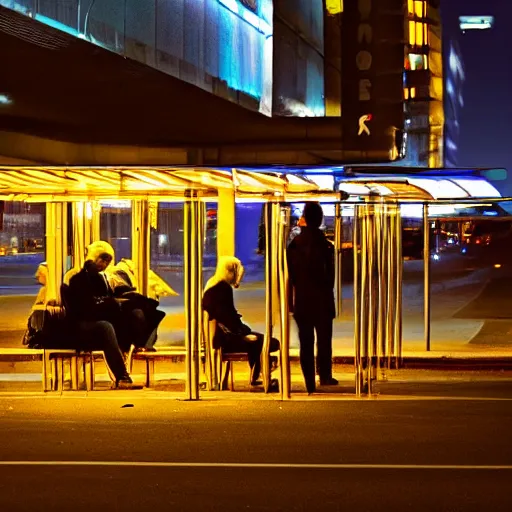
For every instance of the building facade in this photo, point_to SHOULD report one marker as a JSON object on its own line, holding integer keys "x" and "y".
{"x": 453, "y": 101}
{"x": 222, "y": 46}
{"x": 424, "y": 85}
{"x": 378, "y": 65}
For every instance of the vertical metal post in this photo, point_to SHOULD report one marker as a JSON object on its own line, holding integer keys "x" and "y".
{"x": 78, "y": 214}
{"x": 338, "y": 262}
{"x": 284, "y": 221}
{"x": 360, "y": 269}
{"x": 382, "y": 284}
{"x": 371, "y": 331}
{"x": 398, "y": 287}
{"x": 56, "y": 247}
{"x": 390, "y": 282}
{"x": 141, "y": 244}
{"x": 194, "y": 220}
{"x": 426, "y": 277}
{"x": 95, "y": 222}
{"x": 269, "y": 231}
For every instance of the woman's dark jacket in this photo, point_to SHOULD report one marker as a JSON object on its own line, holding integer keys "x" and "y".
{"x": 218, "y": 302}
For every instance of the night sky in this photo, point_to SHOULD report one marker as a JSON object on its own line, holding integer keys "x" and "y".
{"x": 487, "y": 115}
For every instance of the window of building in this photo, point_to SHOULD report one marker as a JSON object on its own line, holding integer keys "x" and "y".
{"x": 417, "y": 8}
{"x": 418, "y": 33}
{"x": 410, "y": 93}
{"x": 416, "y": 61}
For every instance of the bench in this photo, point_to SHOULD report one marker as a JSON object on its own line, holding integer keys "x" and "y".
{"x": 82, "y": 364}
{"x": 52, "y": 371}
{"x": 56, "y": 360}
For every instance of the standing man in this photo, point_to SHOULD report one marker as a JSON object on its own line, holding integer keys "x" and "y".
{"x": 311, "y": 269}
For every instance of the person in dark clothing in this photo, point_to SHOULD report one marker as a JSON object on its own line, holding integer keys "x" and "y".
{"x": 141, "y": 312}
{"x": 231, "y": 334}
{"x": 93, "y": 309}
{"x": 310, "y": 259}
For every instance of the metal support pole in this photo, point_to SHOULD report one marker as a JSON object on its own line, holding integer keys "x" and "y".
{"x": 95, "y": 222}
{"x": 371, "y": 331}
{"x": 390, "y": 280}
{"x": 141, "y": 244}
{"x": 268, "y": 293}
{"x": 285, "y": 384}
{"x": 56, "y": 248}
{"x": 359, "y": 282}
{"x": 398, "y": 287}
{"x": 382, "y": 284}
{"x": 79, "y": 245}
{"x": 272, "y": 213}
{"x": 426, "y": 277}
{"x": 194, "y": 223}
{"x": 338, "y": 261}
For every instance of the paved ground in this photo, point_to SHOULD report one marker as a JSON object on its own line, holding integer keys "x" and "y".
{"x": 128, "y": 451}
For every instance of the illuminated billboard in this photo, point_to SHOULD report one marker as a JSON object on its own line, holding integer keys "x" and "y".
{"x": 476, "y": 22}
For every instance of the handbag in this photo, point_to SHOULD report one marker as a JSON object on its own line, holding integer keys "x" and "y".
{"x": 45, "y": 327}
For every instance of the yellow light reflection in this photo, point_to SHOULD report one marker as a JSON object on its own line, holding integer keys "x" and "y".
{"x": 334, "y": 6}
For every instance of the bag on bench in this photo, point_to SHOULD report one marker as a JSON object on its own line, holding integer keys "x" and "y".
{"x": 47, "y": 328}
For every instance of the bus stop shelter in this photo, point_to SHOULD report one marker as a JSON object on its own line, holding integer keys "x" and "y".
{"x": 375, "y": 201}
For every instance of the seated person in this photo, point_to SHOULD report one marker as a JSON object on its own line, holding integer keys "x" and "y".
{"x": 231, "y": 334}
{"x": 122, "y": 280}
{"x": 92, "y": 307}
{"x": 42, "y": 279}
{"x": 138, "y": 318}
{"x": 123, "y": 274}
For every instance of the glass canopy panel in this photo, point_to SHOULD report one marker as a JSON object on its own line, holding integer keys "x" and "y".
{"x": 478, "y": 188}
{"x": 439, "y": 189}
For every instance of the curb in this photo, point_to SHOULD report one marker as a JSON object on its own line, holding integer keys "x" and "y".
{"x": 444, "y": 363}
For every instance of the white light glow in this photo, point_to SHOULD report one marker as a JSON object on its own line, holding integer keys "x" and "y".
{"x": 476, "y": 22}
{"x": 116, "y": 204}
{"x": 324, "y": 182}
{"x": 5, "y": 100}
{"x": 478, "y": 188}
{"x": 439, "y": 189}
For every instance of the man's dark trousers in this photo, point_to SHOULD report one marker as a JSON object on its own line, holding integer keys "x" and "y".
{"x": 322, "y": 324}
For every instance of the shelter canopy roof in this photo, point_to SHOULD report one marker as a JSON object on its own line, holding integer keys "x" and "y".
{"x": 72, "y": 183}
{"x": 79, "y": 183}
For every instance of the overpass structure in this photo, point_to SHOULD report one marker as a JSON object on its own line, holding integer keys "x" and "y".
{"x": 64, "y": 100}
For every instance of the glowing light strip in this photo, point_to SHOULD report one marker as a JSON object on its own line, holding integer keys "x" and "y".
{"x": 248, "y": 16}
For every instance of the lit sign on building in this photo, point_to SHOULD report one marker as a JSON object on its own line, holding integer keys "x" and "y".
{"x": 476, "y": 22}
{"x": 373, "y": 35}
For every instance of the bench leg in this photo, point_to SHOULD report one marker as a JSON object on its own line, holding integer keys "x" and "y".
{"x": 60, "y": 373}
{"x": 150, "y": 372}
{"x": 44, "y": 371}
{"x": 225, "y": 376}
{"x": 89, "y": 373}
{"x": 74, "y": 373}
{"x": 53, "y": 375}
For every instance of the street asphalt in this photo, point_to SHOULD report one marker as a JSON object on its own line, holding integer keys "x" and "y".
{"x": 126, "y": 451}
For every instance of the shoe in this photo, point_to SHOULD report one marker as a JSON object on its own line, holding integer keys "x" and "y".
{"x": 329, "y": 382}
{"x": 125, "y": 382}
{"x": 274, "y": 386}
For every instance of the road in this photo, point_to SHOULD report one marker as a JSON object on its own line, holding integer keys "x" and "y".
{"x": 161, "y": 454}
